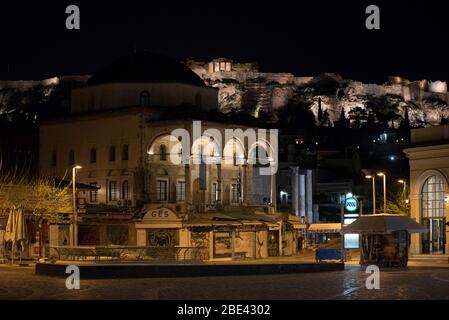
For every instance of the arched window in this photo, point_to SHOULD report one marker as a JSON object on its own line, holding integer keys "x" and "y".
{"x": 198, "y": 100}
{"x": 145, "y": 99}
{"x": 93, "y": 155}
{"x": 112, "y": 153}
{"x": 433, "y": 198}
{"x": 163, "y": 152}
{"x": 125, "y": 152}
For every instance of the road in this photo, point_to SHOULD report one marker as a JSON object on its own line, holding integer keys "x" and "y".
{"x": 421, "y": 280}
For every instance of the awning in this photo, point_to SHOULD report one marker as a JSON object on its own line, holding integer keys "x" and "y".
{"x": 325, "y": 227}
{"x": 384, "y": 224}
{"x": 298, "y": 225}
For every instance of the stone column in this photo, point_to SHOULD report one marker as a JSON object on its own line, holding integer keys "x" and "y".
{"x": 309, "y": 196}
{"x": 416, "y": 238}
{"x": 302, "y": 195}
{"x": 219, "y": 184}
{"x": 244, "y": 183}
{"x": 295, "y": 190}
{"x": 188, "y": 184}
{"x": 273, "y": 192}
{"x": 141, "y": 238}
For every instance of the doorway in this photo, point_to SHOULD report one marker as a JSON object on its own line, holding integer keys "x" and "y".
{"x": 273, "y": 243}
{"x": 434, "y": 241}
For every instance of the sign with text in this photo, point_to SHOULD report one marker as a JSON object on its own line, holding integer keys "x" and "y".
{"x": 160, "y": 214}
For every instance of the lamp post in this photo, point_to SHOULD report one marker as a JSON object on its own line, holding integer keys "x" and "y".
{"x": 403, "y": 182}
{"x": 373, "y": 178}
{"x": 75, "y": 211}
{"x": 381, "y": 174}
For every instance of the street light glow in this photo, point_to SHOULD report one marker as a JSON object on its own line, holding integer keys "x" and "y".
{"x": 77, "y": 167}
{"x": 381, "y": 174}
{"x": 368, "y": 177}
{"x": 401, "y": 181}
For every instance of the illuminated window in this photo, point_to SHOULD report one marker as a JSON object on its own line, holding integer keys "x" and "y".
{"x": 234, "y": 193}
{"x": 125, "y": 190}
{"x": 163, "y": 152}
{"x": 215, "y": 191}
{"x": 433, "y": 198}
{"x": 181, "y": 190}
{"x": 93, "y": 194}
{"x": 161, "y": 190}
{"x": 113, "y": 191}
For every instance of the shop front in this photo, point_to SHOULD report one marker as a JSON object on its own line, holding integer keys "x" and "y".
{"x": 161, "y": 227}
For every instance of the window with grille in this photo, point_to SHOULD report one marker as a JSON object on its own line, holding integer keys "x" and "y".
{"x": 161, "y": 190}
{"x": 432, "y": 201}
{"x": 234, "y": 193}
{"x": 215, "y": 191}
{"x": 163, "y": 152}
{"x": 113, "y": 191}
{"x": 93, "y": 194}
{"x": 125, "y": 190}
{"x": 181, "y": 190}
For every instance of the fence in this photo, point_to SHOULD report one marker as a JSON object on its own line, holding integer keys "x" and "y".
{"x": 130, "y": 253}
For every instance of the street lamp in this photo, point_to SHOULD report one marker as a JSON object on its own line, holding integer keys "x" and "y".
{"x": 374, "y": 191}
{"x": 75, "y": 211}
{"x": 381, "y": 174}
{"x": 403, "y": 182}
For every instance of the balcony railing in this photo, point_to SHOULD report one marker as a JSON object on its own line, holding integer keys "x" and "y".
{"x": 102, "y": 254}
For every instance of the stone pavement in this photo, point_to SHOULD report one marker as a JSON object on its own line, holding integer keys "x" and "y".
{"x": 421, "y": 280}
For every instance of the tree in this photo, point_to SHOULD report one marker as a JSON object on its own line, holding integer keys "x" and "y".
{"x": 296, "y": 115}
{"x": 44, "y": 198}
{"x": 358, "y": 115}
{"x": 396, "y": 203}
{"x": 384, "y": 107}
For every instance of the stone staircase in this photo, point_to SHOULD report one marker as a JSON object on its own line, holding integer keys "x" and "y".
{"x": 429, "y": 257}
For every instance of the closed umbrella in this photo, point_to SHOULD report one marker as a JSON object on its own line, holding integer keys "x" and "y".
{"x": 10, "y": 232}
{"x": 15, "y": 231}
{"x": 21, "y": 232}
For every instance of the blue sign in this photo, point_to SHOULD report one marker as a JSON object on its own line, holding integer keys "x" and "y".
{"x": 351, "y": 204}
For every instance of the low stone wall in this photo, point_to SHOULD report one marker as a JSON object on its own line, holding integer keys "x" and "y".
{"x": 193, "y": 270}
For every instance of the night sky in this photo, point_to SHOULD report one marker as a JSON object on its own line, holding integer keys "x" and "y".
{"x": 301, "y": 37}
